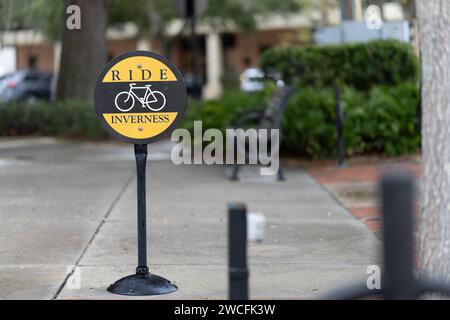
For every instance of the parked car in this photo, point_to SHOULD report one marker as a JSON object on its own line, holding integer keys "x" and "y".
{"x": 26, "y": 85}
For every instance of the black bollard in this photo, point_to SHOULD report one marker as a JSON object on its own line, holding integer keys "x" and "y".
{"x": 340, "y": 127}
{"x": 237, "y": 251}
{"x": 397, "y": 193}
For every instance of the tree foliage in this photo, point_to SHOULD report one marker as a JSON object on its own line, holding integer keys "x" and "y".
{"x": 361, "y": 65}
{"x": 44, "y": 15}
{"x": 151, "y": 16}
{"x": 244, "y": 13}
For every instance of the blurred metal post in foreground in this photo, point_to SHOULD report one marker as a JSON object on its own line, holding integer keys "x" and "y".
{"x": 397, "y": 194}
{"x": 237, "y": 251}
{"x": 398, "y": 280}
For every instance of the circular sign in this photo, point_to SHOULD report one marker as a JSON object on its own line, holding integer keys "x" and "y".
{"x": 140, "y": 97}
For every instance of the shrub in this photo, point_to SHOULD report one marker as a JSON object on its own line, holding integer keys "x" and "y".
{"x": 220, "y": 113}
{"x": 308, "y": 123}
{"x": 392, "y": 126}
{"x": 382, "y": 120}
{"x": 362, "y": 65}
{"x": 74, "y": 119}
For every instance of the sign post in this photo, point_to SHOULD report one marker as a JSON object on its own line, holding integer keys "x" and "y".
{"x": 140, "y": 97}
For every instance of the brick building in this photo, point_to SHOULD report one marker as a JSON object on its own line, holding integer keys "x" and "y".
{"x": 222, "y": 53}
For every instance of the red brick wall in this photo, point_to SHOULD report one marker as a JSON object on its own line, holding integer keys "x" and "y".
{"x": 43, "y": 53}
{"x": 117, "y": 47}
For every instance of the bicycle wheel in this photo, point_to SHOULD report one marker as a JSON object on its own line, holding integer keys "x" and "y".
{"x": 124, "y": 101}
{"x": 158, "y": 104}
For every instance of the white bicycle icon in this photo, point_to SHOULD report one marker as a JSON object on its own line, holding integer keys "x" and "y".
{"x": 125, "y": 100}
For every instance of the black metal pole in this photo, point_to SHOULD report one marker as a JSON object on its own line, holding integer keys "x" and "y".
{"x": 194, "y": 44}
{"x": 143, "y": 282}
{"x": 237, "y": 251}
{"x": 397, "y": 193}
{"x": 140, "y": 152}
{"x": 191, "y": 14}
{"x": 340, "y": 127}
{"x": 197, "y": 77}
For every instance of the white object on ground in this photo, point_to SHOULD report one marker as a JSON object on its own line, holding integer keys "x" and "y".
{"x": 256, "y": 226}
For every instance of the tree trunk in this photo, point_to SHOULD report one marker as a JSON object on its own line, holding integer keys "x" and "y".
{"x": 84, "y": 51}
{"x": 434, "y": 36}
{"x": 7, "y": 7}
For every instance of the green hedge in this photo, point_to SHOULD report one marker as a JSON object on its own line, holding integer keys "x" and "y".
{"x": 382, "y": 120}
{"x": 220, "y": 113}
{"x": 75, "y": 119}
{"x": 362, "y": 66}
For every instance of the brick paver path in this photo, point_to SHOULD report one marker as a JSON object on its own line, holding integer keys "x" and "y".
{"x": 355, "y": 186}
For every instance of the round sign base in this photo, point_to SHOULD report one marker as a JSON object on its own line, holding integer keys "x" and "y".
{"x": 142, "y": 285}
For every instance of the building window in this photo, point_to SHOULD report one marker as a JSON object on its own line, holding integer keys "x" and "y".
{"x": 228, "y": 40}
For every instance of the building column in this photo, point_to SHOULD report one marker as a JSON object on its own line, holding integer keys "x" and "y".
{"x": 56, "y": 57}
{"x": 359, "y": 14}
{"x": 214, "y": 66}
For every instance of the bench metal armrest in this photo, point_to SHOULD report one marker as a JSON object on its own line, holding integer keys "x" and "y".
{"x": 247, "y": 113}
{"x": 251, "y": 114}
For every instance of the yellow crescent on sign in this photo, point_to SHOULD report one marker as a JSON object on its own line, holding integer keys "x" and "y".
{"x": 140, "y": 125}
{"x": 139, "y": 68}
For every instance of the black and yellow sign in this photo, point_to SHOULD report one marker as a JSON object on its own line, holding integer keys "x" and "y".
{"x": 140, "y": 97}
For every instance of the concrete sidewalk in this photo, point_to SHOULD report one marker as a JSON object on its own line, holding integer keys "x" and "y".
{"x": 69, "y": 204}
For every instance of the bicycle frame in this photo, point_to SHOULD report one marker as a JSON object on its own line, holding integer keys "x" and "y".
{"x": 148, "y": 92}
